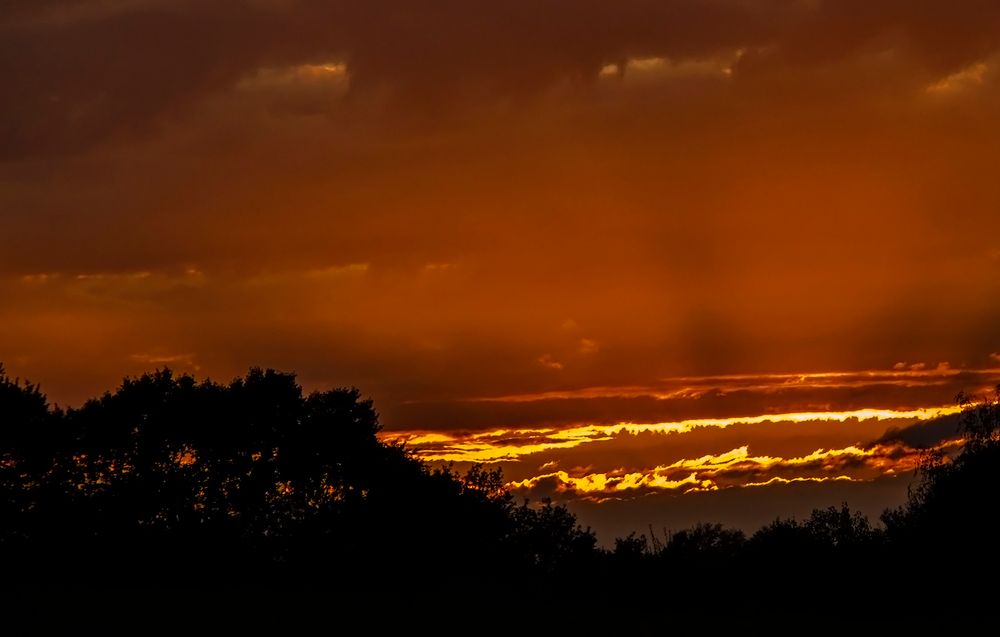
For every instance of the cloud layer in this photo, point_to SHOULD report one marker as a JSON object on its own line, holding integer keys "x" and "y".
{"x": 76, "y": 73}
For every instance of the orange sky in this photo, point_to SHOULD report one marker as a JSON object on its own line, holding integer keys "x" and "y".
{"x": 530, "y": 214}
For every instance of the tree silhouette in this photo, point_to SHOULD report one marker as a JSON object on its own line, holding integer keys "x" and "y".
{"x": 174, "y": 483}
{"x": 252, "y": 482}
{"x": 955, "y": 501}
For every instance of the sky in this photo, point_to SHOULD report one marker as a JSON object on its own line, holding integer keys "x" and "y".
{"x": 662, "y": 260}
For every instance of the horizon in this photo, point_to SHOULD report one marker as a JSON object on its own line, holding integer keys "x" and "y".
{"x": 735, "y": 488}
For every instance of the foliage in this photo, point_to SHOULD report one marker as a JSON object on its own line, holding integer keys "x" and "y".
{"x": 168, "y": 471}
{"x": 169, "y": 481}
{"x": 955, "y": 503}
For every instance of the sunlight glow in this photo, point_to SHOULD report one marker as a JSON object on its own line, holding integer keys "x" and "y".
{"x": 734, "y": 468}
{"x": 502, "y": 445}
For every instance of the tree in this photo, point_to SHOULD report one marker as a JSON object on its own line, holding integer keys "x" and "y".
{"x": 955, "y": 501}
{"x": 253, "y": 481}
{"x": 24, "y": 414}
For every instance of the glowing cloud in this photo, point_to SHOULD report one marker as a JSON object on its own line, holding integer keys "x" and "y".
{"x": 733, "y": 469}
{"x": 510, "y": 444}
{"x": 912, "y": 376}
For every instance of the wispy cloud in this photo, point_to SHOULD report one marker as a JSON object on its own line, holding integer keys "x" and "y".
{"x": 732, "y": 469}
{"x": 184, "y": 361}
{"x": 501, "y": 445}
{"x": 549, "y": 362}
{"x": 902, "y": 375}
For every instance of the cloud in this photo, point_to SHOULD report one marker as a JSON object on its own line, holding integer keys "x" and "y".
{"x": 925, "y": 434}
{"x": 734, "y": 468}
{"x": 83, "y": 90}
{"x": 548, "y": 362}
{"x": 697, "y": 386}
{"x": 166, "y": 359}
{"x": 336, "y": 271}
{"x": 692, "y": 397}
{"x": 960, "y": 81}
{"x": 649, "y": 177}
{"x": 501, "y": 445}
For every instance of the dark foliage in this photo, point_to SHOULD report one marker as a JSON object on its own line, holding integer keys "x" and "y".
{"x": 956, "y": 504}
{"x": 173, "y": 484}
{"x": 169, "y": 482}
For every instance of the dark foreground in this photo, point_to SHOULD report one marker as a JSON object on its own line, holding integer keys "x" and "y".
{"x": 255, "y": 504}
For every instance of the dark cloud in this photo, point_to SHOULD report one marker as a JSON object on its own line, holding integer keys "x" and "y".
{"x": 75, "y": 75}
{"x": 924, "y": 435}
{"x": 82, "y": 79}
{"x": 721, "y": 400}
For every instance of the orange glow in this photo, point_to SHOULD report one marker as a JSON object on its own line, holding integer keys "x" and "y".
{"x": 735, "y": 468}
{"x": 780, "y": 480}
{"x": 495, "y": 445}
{"x": 604, "y": 238}
{"x": 697, "y": 386}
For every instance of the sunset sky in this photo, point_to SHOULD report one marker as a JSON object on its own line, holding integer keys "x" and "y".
{"x": 664, "y": 260}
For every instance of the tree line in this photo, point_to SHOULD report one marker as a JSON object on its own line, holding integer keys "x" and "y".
{"x": 171, "y": 483}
